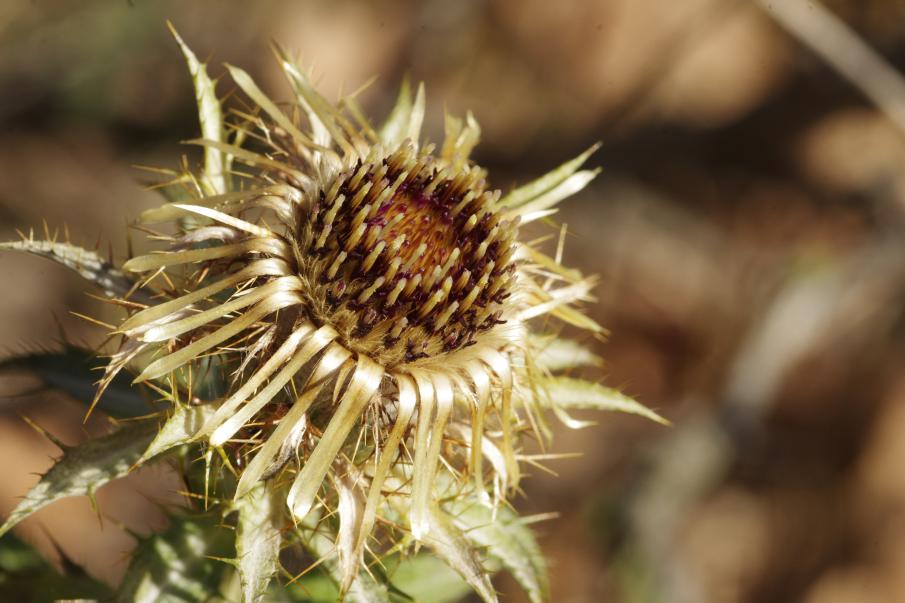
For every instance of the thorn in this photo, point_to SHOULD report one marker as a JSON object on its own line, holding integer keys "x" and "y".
{"x": 106, "y": 325}
{"x": 92, "y": 500}
{"x": 61, "y": 332}
{"x": 53, "y": 439}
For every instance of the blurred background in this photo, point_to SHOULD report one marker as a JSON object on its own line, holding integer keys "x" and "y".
{"x": 747, "y": 228}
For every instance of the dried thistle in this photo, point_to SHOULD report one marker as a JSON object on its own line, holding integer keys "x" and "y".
{"x": 341, "y": 321}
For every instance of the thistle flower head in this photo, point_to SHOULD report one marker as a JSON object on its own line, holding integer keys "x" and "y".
{"x": 366, "y": 299}
{"x": 408, "y": 255}
{"x": 368, "y": 296}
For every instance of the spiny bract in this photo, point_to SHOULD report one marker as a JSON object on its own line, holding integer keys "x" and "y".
{"x": 363, "y": 302}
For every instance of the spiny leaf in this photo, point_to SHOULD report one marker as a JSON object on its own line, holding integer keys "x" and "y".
{"x": 569, "y": 393}
{"x": 257, "y": 541}
{"x": 112, "y": 281}
{"x": 72, "y": 371}
{"x": 319, "y": 542}
{"x": 84, "y": 469}
{"x": 555, "y": 354}
{"x": 546, "y": 183}
{"x": 210, "y": 114}
{"x": 451, "y": 545}
{"x": 180, "y": 564}
{"x": 178, "y": 429}
{"x": 508, "y": 539}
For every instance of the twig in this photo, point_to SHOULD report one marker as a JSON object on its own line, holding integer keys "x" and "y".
{"x": 841, "y": 47}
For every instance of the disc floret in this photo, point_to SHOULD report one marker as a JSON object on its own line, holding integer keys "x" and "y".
{"x": 412, "y": 258}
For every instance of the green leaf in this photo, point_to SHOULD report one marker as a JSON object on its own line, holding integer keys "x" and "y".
{"x": 319, "y": 542}
{"x": 452, "y": 545}
{"x": 185, "y": 422}
{"x": 26, "y": 576}
{"x": 569, "y": 393}
{"x": 555, "y": 354}
{"x": 316, "y": 586}
{"x": 74, "y": 372}
{"x": 257, "y": 541}
{"x": 84, "y": 469}
{"x": 109, "y": 279}
{"x": 210, "y": 114}
{"x": 181, "y": 564}
{"x": 509, "y": 540}
{"x": 426, "y": 578}
{"x": 546, "y": 183}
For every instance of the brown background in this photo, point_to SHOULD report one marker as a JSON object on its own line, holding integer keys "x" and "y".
{"x": 747, "y": 227}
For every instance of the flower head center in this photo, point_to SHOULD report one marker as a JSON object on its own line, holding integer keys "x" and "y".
{"x": 424, "y": 225}
{"x": 417, "y": 252}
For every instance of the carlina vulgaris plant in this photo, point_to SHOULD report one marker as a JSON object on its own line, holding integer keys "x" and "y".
{"x": 343, "y": 324}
